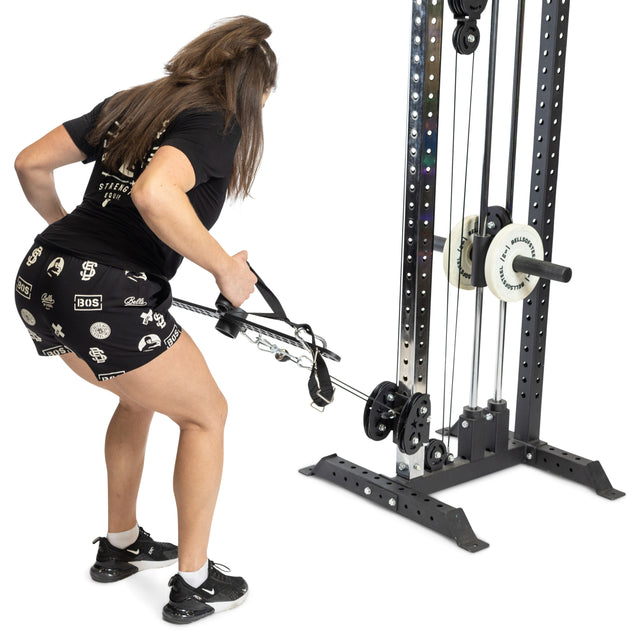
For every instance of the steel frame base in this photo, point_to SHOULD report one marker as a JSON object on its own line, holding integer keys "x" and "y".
{"x": 412, "y": 498}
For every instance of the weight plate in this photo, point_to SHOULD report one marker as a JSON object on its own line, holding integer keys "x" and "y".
{"x": 514, "y": 240}
{"x": 457, "y": 261}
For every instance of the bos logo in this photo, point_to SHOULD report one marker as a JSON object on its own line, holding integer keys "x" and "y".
{"x": 24, "y": 288}
{"x": 55, "y": 351}
{"x": 82, "y": 302}
{"x": 173, "y": 336}
{"x": 109, "y": 376}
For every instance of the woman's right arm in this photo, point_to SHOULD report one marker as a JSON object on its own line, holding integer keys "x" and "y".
{"x": 35, "y": 165}
{"x": 160, "y": 195}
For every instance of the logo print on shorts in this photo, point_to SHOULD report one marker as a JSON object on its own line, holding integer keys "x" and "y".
{"x": 173, "y": 336}
{"x": 83, "y": 302}
{"x": 34, "y": 336}
{"x": 47, "y": 301}
{"x": 97, "y": 355}
{"x": 109, "y": 376}
{"x": 24, "y": 288}
{"x": 100, "y": 330}
{"x": 57, "y": 329}
{"x": 161, "y": 323}
{"x": 135, "y": 275}
{"x": 35, "y": 254}
{"x": 149, "y": 343}
{"x": 27, "y": 316}
{"x": 55, "y": 351}
{"x": 158, "y": 318}
{"x": 55, "y": 267}
{"x": 135, "y": 302}
{"x": 88, "y": 270}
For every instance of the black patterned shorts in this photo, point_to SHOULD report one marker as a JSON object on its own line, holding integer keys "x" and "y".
{"x": 114, "y": 320}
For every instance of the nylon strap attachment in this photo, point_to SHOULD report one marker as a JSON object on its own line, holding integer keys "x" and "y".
{"x": 320, "y": 388}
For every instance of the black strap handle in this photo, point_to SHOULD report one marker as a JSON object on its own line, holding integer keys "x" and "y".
{"x": 320, "y": 387}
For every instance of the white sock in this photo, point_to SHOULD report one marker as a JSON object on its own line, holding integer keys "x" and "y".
{"x": 196, "y": 578}
{"x": 123, "y": 539}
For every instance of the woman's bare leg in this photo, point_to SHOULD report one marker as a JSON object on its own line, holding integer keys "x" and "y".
{"x": 178, "y": 384}
{"x": 125, "y": 445}
{"x": 124, "y": 449}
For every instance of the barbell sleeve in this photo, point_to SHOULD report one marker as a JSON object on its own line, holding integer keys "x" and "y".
{"x": 542, "y": 269}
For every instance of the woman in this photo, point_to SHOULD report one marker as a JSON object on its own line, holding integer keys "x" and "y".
{"x": 94, "y": 287}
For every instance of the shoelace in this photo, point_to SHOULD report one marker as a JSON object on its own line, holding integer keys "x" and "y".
{"x": 216, "y": 568}
{"x": 143, "y": 533}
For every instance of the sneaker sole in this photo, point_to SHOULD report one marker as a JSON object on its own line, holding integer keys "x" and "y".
{"x": 175, "y": 615}
{"x": 142, "y": 565}
{"x": 115, "y": 571}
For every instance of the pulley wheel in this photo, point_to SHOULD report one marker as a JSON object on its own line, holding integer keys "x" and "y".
{"x": 466, "y": 37}
{"x": 435, "y": 455}
{"x": 503, "y": 281}
{"x": 377, "y": 424}
{"x": 471, "y": 8}
{"x": 457, "y": 261}
{"x": 414, "y": 423}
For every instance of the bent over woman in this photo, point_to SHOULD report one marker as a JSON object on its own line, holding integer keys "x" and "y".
{"x": 94, "y": 288}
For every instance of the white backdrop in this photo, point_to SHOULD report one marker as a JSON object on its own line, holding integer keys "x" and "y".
{"x": 323, "y": 229}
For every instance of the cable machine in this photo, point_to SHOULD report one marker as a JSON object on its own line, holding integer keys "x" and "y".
{"x": 483, "y": 251}
{"x": 487, "y": 250}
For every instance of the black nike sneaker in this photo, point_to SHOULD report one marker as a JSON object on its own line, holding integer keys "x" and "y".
{"x": 217, "y": 593}
{"x": 113, "y": 564}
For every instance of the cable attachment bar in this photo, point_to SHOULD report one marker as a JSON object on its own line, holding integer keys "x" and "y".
{"x": 320, "y": 387}
{"x": 232, "y": 321}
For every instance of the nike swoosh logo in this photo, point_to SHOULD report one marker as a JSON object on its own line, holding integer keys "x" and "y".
{"x": 212, "y": 592}
{"x": 135, "y": 552}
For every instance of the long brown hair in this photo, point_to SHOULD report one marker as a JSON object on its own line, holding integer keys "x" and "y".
{"x": 229, "y": 68}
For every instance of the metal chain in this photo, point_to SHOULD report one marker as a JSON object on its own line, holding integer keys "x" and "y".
{"x": 281, "y": 355}
{"x": 304, "y": 361}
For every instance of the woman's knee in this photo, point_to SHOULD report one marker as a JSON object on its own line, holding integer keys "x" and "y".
{"x": 209, "y": 416}
{"x": 133, "y": 408}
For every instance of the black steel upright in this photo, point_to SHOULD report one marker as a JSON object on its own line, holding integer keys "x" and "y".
{"x": 544, "y": 178}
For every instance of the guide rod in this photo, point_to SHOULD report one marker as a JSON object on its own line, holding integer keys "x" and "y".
{"x": 484, "y": 199}
{"x": 515, "y": 107}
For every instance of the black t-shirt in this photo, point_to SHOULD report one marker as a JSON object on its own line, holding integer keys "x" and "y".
{"x": 107, "y": 227}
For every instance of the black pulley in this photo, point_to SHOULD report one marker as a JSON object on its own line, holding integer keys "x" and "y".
{"x": 379, "y": 414}
{"x": 468, "y": 8}
{"x": 435, "y": 455}
{"x": 466, "y": 37}
{"x": 497, "y": 218}
{"x": 413, "y": 424}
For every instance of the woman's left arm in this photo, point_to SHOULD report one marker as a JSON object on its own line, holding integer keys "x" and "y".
{"x": 35, "y": 165}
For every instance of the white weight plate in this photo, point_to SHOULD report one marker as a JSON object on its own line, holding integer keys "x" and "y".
{"x": 457, "y": 264}
{"x": 514, "y": 240}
